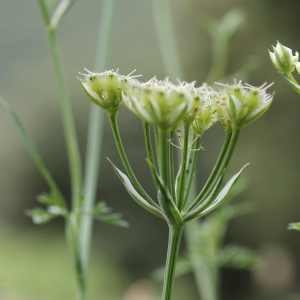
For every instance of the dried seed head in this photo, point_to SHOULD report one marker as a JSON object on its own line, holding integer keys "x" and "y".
{"x": 239, "y": 104}
{"x": 283, "y": 58}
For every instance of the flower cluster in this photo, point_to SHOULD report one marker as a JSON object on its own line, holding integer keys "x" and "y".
{"x": 169, "y": 105}
{"x": 239, "y": 104}
{"x": 284, "y": 60}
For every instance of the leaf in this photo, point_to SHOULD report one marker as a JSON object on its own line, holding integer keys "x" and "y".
{"x": 237, "y": 257}
{"x": 104, "y": 213}
{"x": 134, "y": 194}
{"x": 166, "y": 194}
{"x": 51, "y": 200}
{"x": 40, "y": 216}
{"x": 224, "y": 192}
{"x": 31, "y": 148}
{"x": 294, "y": 226}
{"x": 221, "y": 197}
{"x": 60, "y": 11}
{"x": 228, "y": 26}
{"x": 294, "y": 84}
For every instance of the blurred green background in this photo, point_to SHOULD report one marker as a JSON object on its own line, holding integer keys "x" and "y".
{"x": 34, "y": 261}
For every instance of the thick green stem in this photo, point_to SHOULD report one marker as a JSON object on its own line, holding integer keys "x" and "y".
{"x": 95, "y": 136}
{"x": 175, "y": 236}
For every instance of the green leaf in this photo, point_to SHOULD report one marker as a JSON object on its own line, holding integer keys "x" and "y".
{"x": 237, "y": 257}
{"x": 219, "y": 200}
{"x": 51, "y": 200}
{"x": 104, "y": 213}
{"x": 228, "y": 26}
{"x": 40, "y": 216}
{"x": 134, "y": 193}
{"x": 294, "y": 226}
{"x": 60, "y": 11}
{"x": 294, "y": 84}
{"x": 31, "y": 148}
{"x": 166, "y": 194}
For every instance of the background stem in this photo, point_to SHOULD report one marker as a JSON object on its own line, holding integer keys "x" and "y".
{"x": 95, "y": 135}
{"x": 175, "y": 236}
{"x": 166, "y": 36}
{"x": 68, "y": 122}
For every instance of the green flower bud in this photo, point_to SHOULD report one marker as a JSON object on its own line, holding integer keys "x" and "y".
{"x": 105, "y": 89}
{"x": 157, "y": 102}
{"x": 283, "y": 58}
{"x": 239, "y": 104}
{"x": 205, "y": 114}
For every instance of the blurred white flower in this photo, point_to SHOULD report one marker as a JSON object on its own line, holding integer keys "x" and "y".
{"x": 283, "y": 58}
{"x": 239, "y": 104}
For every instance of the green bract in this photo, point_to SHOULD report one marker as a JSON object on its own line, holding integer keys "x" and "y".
{"x": 283, "y": 58}
{"x": 239, "y": 104}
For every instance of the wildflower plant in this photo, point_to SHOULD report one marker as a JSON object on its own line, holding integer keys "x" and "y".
{"x": 286, "y": 62}
{"x": 174, "y": 117}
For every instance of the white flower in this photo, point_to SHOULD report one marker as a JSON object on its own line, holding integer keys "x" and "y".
{"x": 158, "y": 102}
{"x": 283, "y": 58}
{"x": 239, "y": 104}
{"x": 105, "y": 89}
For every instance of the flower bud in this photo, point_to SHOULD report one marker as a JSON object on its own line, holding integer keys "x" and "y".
{"x": 157, "y": 102}
{"x": 239, "y": 104}
{"x": 205, "y": 115}
{"x": 105, "y": 89}
{"x": 283, "y": 58}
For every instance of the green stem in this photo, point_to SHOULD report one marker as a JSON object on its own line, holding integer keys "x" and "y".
{"x": 163, "y": 155}
{"x": 208, "y": 184}
{"x": 183, "y": 168}
{"x": 205, "y": 268}
{"x": 95, "y": 135}
{"x": 201, "y": 203}
{"x": 68, "y": 123}
{"x": 71, "y": 142}
{"x": 175, "y": 236}
{"x": 166, "y": 36}
{"x": 124, "y": 159}
{"x": 163, "y": 165}
{"x": 149, "y": 150}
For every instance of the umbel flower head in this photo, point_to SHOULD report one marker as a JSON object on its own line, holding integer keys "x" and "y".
{"x": 105, "y": 89}
{"x": 283, "y": 58}
{"x": 239, "y": 104}
{"x": 158, "y": 102}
